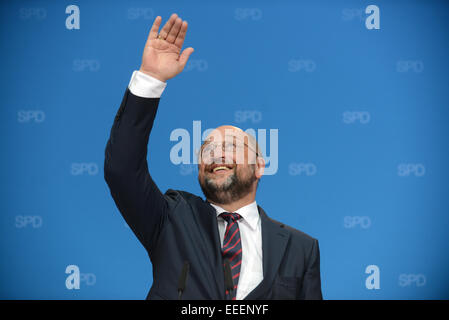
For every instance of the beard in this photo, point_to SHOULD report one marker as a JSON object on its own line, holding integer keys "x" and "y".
{"x": 234, "y": 188}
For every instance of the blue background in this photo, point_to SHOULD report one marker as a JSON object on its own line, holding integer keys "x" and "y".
{"x": 73, "y": 81}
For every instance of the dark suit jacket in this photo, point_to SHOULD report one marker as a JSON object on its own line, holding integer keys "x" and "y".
{"x": 179, "y": 226}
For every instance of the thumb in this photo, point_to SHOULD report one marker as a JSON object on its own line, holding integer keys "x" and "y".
{"x": 185, "y": 56}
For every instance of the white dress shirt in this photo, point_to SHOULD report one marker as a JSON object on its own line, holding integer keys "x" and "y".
{"x": 146, "y": 86}
{"x": 251, "y": 270}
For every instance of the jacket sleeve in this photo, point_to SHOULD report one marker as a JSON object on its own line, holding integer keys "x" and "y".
{"x": 137, "y": 197}
{"x": 312, "y": 279}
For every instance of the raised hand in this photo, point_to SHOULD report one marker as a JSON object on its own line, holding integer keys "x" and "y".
{"x": 161, "y": 57}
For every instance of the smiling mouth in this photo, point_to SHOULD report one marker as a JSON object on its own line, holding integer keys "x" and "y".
{"x": 220, "y": 168}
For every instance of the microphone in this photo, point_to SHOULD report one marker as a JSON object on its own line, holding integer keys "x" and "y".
{"x": 228, "y": 278}
{"x": 183, "y": 279}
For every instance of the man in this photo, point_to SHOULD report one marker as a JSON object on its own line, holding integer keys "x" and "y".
{"x": 228, "y": 231}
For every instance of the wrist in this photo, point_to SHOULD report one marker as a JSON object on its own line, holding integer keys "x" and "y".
{"x": 146, "y": 86}
{"x": 151, "y": 74}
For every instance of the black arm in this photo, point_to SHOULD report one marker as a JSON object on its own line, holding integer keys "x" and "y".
{"x": 312, "y": 278}
{"x": 137, "y": 197}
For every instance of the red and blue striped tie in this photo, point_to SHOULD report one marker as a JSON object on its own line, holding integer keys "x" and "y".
{"x": 232, "y": 247}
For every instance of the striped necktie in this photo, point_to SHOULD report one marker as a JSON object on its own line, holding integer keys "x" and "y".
{"x": 232, "y": 247}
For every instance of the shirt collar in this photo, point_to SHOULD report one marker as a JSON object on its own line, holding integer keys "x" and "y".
{"x": 250, "y": 213}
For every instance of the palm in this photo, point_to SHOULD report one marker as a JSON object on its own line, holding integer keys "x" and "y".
{"x": 161, "y": 57}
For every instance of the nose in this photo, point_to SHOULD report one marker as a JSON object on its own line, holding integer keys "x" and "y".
{"x": 221, "y": 159}
{"x": 222, "y": 154}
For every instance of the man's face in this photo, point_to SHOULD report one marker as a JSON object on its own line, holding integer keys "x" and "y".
{"x": 227, "y": 165}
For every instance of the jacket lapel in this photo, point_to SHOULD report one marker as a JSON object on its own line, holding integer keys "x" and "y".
{"x": 274, "y": 242}
{"x": 207, "y": 218}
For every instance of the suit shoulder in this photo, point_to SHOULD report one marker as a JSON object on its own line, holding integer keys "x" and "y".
{"x": 296, "y": 234}
{"x": 180, "y": 195}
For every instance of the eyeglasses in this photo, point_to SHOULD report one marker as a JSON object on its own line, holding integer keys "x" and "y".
{"x": 227, "y": 146}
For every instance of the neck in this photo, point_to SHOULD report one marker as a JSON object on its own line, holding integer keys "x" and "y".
{"x": 234, "y": 206}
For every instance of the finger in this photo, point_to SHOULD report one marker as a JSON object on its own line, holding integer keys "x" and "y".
{"x": 166, "y": 29}
{"x": 174, "y": 31}
{"x": 181, "y": 35}
{"x": 185, "y": 56}
{"x": 155, "y": 28}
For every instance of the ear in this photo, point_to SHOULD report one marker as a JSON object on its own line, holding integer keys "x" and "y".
{"x": 260, "y": 167}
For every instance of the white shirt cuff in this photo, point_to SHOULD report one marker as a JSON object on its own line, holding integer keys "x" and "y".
{"x": 145, "y": 86}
